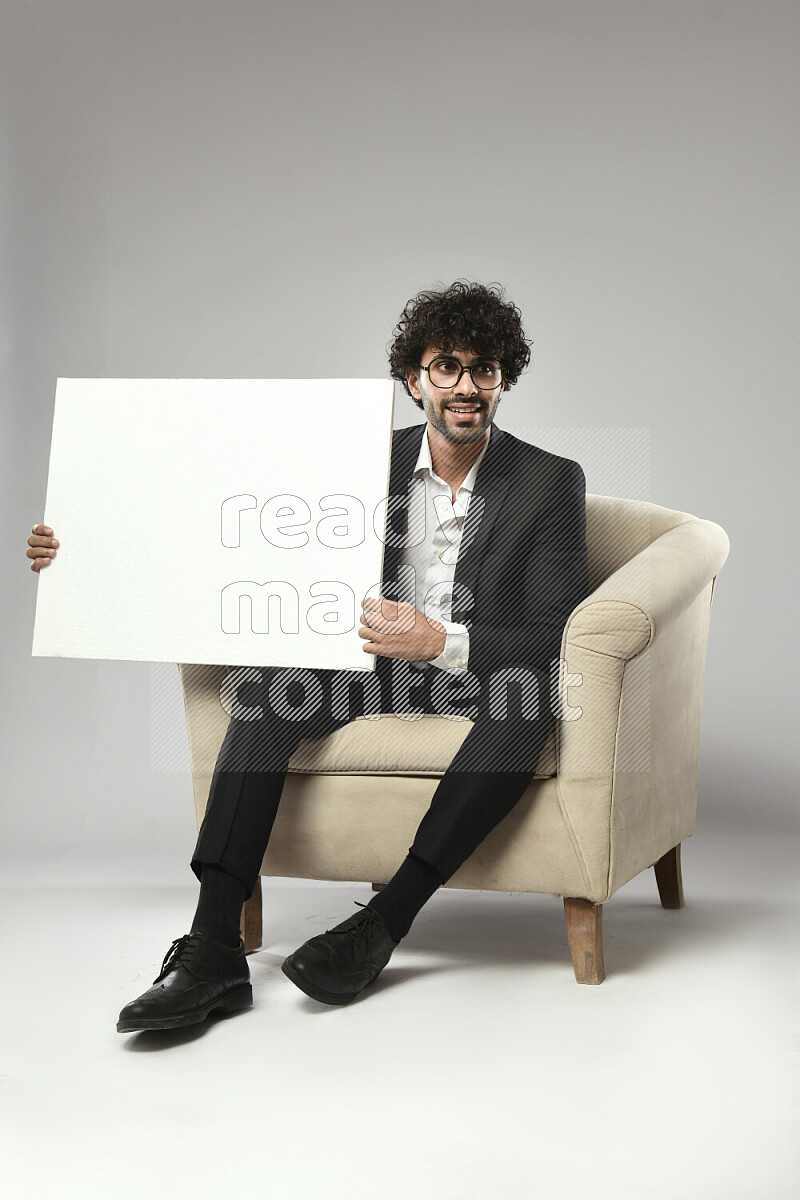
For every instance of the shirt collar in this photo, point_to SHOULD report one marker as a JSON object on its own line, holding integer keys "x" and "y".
{"x": 424, "y": 463}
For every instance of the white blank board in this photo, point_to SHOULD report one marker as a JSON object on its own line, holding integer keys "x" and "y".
{"x": 181, "y": 503}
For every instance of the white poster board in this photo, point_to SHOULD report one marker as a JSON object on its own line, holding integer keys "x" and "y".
{"x": 215, "y": 521}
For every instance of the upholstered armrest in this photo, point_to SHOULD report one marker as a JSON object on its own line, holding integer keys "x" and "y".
{"x": 624, "y": 615}
{"x": 206, "y": 718}
{"x": 628, "y": 741}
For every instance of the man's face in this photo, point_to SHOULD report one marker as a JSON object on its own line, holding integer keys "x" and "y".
{"x": 461, "y": 413}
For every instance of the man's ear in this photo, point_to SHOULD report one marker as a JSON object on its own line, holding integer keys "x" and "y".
{"x": 412, "y": 378}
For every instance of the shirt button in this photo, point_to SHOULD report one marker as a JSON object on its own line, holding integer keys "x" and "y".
{"x": 459, "y": 662}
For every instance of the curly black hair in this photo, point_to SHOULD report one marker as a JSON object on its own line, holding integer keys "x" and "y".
{"x": 468, "y": 316}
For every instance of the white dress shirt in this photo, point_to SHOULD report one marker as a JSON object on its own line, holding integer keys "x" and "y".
{"x": 434, "y": 558}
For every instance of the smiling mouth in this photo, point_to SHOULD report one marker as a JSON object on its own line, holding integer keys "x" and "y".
{"x": 459, "y": 409}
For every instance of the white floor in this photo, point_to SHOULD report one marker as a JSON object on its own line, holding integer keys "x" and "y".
{"x": 475, "y": 1067}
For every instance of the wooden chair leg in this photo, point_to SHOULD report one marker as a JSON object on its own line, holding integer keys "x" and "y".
{"x": 378, "y": 887}
{"x": 585, "y": 936}
{"x": 251, "y": 926}
{"x": 669, "y": 879}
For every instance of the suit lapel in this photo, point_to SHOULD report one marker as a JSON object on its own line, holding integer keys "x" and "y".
{"x": 491, "y": 487}
{"x": 404, "y": 458}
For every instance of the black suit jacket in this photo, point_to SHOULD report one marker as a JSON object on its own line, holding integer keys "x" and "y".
{"x": 522, "y": 566}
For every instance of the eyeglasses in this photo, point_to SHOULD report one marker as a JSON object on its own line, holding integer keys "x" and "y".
{"x": 446, "y": 372}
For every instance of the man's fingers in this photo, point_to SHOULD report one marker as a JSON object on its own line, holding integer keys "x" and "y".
{"x": 38, "y": 540}
{"x": 43, "y": 529}
{"x": 374, "y": 620}
{"x": 41, "y": 552}
{"x": 397, "y": 624}
{"x": 379, "y": 604}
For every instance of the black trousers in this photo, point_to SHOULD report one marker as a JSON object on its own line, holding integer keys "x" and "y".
{"x": 276, "y": 708}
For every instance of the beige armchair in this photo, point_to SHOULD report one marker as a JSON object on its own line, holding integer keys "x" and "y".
{"x": 616, "y": 786}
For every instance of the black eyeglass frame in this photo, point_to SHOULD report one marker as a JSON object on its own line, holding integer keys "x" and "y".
{"x": 477, "y": 363}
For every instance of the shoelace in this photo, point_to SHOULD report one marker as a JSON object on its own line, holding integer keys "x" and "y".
{"x": 357, "y": 930}
{"x": 174, "y": 952}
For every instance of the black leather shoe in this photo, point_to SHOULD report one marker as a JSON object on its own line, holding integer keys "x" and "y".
{"x": 335, "y": 966}
{"x": 198, "y": 975}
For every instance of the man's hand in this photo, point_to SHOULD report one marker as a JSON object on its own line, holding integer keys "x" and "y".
{"x": 399, "y": 630}
{"x": 42, "y": 545}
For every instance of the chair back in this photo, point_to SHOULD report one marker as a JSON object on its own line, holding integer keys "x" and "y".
{"x": 618, "y": 529}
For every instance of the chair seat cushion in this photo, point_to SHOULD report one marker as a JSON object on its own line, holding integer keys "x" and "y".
{"x": 392, "y": 745}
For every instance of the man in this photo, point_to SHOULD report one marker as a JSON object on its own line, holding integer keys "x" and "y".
{"x": 485, "y": 559}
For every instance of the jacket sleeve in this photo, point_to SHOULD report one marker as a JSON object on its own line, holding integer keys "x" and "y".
{"x": 546, "y": 580}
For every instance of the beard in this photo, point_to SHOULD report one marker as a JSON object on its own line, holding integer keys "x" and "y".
{"x": 460, "y": 435}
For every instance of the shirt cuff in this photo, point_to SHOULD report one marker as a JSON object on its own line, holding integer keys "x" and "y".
{"x": 455, "y": 656}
